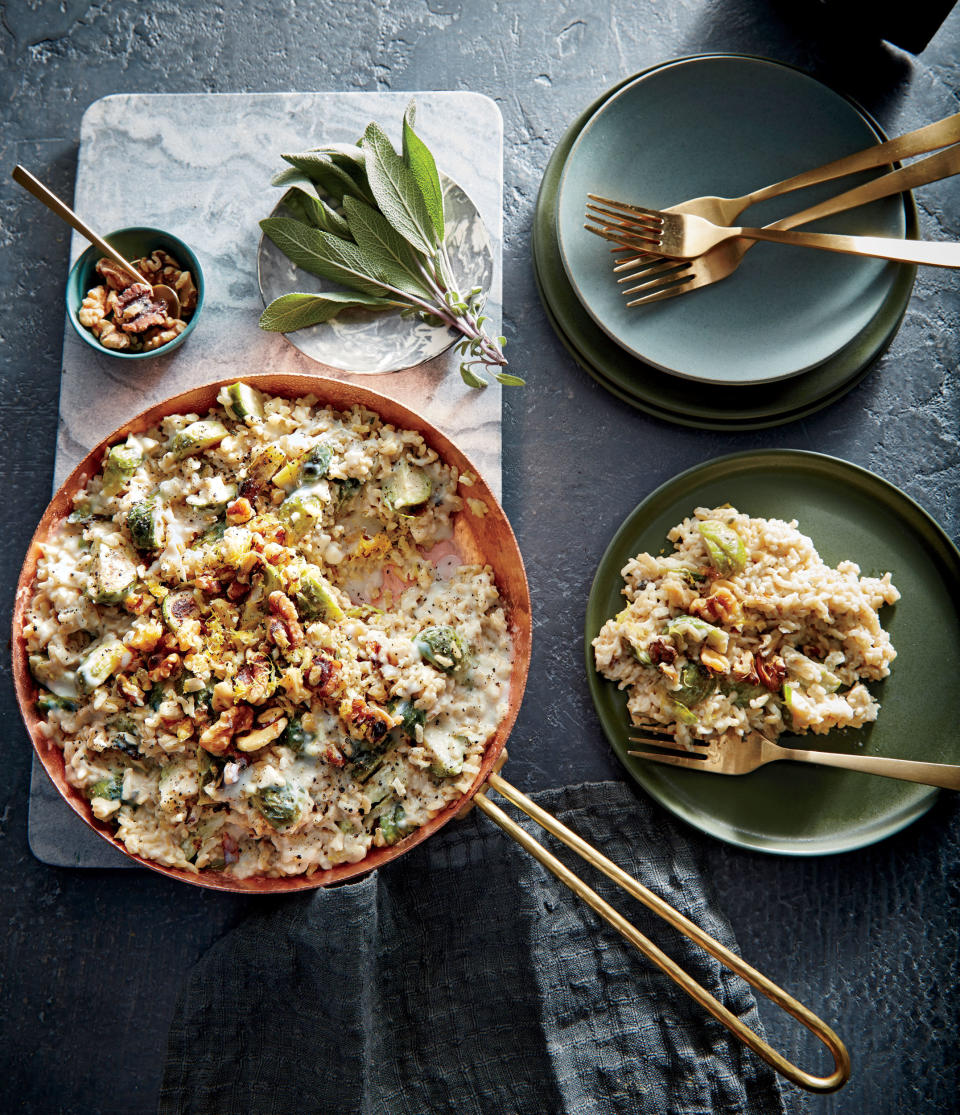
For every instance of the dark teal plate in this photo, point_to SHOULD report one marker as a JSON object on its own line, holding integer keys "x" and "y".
{"x": 668, "y": 397}
{"x": 727, "y": 125}
{"x": 849, "y": 513}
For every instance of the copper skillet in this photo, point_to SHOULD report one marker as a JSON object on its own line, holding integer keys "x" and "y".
{"x": 486, "y": 538}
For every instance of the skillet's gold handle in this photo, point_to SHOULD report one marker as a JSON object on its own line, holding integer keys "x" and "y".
{"x": 775, "y": 994}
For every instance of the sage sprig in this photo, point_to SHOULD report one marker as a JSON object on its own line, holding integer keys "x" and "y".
{"x": 372, "y": 221}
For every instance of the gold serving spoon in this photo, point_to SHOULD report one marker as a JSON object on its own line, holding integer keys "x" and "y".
{"x": 163, "y": 294}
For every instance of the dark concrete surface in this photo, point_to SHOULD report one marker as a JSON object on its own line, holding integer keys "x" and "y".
{"x": 93, "y": 960}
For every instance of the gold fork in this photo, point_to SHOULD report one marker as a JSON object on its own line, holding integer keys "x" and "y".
{"x": 725, "y": 210}
{"x": 756, "y": 751}
{"x": 666, "y": 278}
{"x": 683, "y": 237}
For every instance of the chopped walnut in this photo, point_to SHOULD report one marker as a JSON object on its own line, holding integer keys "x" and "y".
{"x": 770, "y": 672}
{"x": 111, "y": 337}
{"x": 661, "y": 651}
{"x": 239, "y": 511}
{"x": 253, "y": 741}
{"x": 163, "y": 334}
{"x": 720, "y": 606}
{"x": 117, "y": 277}
{"x": 284, "y": 627}
{"x": 365, "y": 721}
{"x": 93, "y": 309}
{"x": 714, "y": 661}
{"x": 123, "y": 314}
{"x": 324, "y": 676}
{"x": 218, "y": 737}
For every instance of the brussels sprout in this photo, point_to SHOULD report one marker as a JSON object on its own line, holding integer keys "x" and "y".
{"x": 120, "y": 463}
{"x": 82, "y": 513}
{"x": 295, "y": 736}
{"x": 308, "y": 468}
{"x": 684, "y": 715}
{"x": 394, "y": 824}
{"x": 407, "y": 488}
{"x": 213, "y": 533}
{"x": 110, "y": 788}
{"x": 695, "y": 684}
{"x": 156, "y": 695}
{"x": 346, "y": 489}
{"x": 244, "y": 401}
{"x": 145, "y": 525}
{"x": 113, "y": 573}
{"x": 198, "y": 436}
{"x": 47, "y": 702}
{"x": 725, "y": 547}
{"x": 264, "y": 465}
{"x": 179, "y": 605}
{"x": 298, "y": 513}
{"x": 53, "y": 676}
{"x": 278, "y": 805}
{"x": 315, "y": 598}
{"x": 124, "y": 735}
{"x": 316, "y": 464}
{"x": 219, "y": 494}
{"x": 448, "y": 755}
{"x": 410, "y": 716}
{"x": 443, "y": 648}
{"x": 700, "y": 631}
{"x": 102, "y": 661}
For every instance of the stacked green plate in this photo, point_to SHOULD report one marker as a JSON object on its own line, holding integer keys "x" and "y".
{"x": 726, "y": 400}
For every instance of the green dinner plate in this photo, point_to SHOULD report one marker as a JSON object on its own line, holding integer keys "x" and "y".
{"x": 849, "y": 513}
{"x": 668, "y": 397}
{"x": 724, "y": 124}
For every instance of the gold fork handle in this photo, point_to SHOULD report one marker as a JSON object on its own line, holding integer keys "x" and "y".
{"x": 807, "y": 1018}
{"x": 945, "y": 775}
{"x": 921, "y": 173}
{"x": 879, "y": 247}
{"x": 34, "y": 186}
{"x": 927, "y": 138}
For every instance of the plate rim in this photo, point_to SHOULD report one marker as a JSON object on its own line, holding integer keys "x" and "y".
{"x": 862, "y": 837}
{"x": 625, "y": 88}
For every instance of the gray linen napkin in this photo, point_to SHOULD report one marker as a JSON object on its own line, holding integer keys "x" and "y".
{"x": 465, "y": 978}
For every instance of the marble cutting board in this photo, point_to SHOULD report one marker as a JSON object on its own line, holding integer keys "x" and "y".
{"x": 214, "y": 155}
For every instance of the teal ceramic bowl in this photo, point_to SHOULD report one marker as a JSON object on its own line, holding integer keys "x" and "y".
{"x": 131, "y": 243}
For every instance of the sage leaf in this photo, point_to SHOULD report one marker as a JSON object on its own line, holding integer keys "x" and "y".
{"x": 508, "y": 380}
{"x": 296, "y": 311}
{"x": 330, "y": 177}
{"x": 418, "y": 158}
{"x": 312, "y": 210}
{"x": 470, "y": 378}
{"x": 396, "y": 192}
{"x": 322, "y": 254}
{"x": 387, "y": 254}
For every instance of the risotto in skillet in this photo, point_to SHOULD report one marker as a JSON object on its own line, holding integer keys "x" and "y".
{"x": 255, "y": 642}
{"x": 744, "y": 628}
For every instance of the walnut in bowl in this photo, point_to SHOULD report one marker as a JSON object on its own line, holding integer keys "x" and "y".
{"x": 115, "y": 314}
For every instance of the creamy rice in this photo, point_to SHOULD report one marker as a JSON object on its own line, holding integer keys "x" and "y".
{"x": 744, "y": 628}
{"x": 256, "y": 643}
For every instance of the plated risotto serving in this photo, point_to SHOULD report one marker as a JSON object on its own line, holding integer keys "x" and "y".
{"x": 257, "y": 643}
{"x": 744, "y": 628}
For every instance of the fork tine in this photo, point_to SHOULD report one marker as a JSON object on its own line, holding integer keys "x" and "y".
{"x": 656, "y": 267}
{"x": 626, "y": 206}
{"x": 623, "y": 220}
{"x": 634, "y": 241}
{"x": 659, "y": 279}
{"x": 644, "y": 259}
{"x": 668, "y": 292}
{"x": 691, "y": 762}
